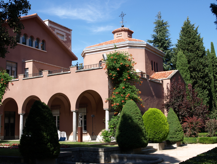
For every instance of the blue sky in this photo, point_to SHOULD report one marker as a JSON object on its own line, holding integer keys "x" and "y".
{"x": 93, "y": 21}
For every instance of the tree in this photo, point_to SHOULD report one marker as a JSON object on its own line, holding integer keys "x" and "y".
{"x": 176, "y": 133}
{"x": 130, "y": 132}
{"x": 182, "y": 66}
{"x": 10, "y": 13}
{"x": 4, "y": 80}
{"x": 162, "y": 41}
{"x": 39, "y": 139}
{"x": 191, "y": 45}
{"x": 214, "y": 10}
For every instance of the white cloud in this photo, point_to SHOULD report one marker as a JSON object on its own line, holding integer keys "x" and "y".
{"x": 103, "y": 28}
{"x": 90, "y": 11}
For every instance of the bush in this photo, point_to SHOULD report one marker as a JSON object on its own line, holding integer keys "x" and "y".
{"x": 106, "y": 136}
{"x": 113, "y": 125}
{"x": 39, "y": 139}
{"x": 211, "y": 127}
{"x": 207, "y": 140}
{"x": 175, "y": 128}
{"x": 190, "y": 140}
{"x": 192, "y": 126}
{"x": 130, "y": 132}
{"x": 156, "y": 125}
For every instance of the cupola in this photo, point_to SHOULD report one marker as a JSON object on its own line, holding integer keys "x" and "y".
{"x": 122, "y": 32}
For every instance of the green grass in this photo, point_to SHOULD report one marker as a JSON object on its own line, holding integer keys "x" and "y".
{"x": 9, "y": 152}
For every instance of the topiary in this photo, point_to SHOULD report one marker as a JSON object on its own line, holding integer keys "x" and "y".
{"x": 130, "y": 132}
{"x": 175, "y": 128}
{"x": 39, "y": 139}
{"x": 156, "y": 125}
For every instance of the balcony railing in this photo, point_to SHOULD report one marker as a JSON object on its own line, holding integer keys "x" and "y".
{"x": 26, "y": 75}
{"x": 59, "y": 71}
{"x": 91, "y": 66}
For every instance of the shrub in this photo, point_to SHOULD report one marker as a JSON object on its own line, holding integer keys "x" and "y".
{"x": 113, "y": 125}
{"x": 130, "y": 132}
{"x": 190, "y": 140}
{"x": 175, "y": 128}
{"x": 207, "y": 140}
{"x": 106, "y": 136}
{"x": 156, "y": 125}
{"x": 211, "y": 127}
{"x": 39, "y": 139}
{"x": 192, "y": 126}
{"x": 4, "y": 80}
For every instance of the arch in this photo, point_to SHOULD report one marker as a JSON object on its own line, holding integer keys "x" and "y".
{"x": 43, "y": 45}
{"x": 27, "y": 100}
{"x": 18, "y": 37}
{"x": 37, "y": 43}
{"x": 24, "y": 39}
{"x": 31, "y": 38}
{"x": 62, "y": 97}
{"x": 9, "y": 99}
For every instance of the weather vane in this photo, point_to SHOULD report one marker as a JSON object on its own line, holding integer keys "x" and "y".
{"x": 122, "y": 17}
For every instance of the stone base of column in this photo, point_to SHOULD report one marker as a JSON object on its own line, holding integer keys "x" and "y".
{"x": 80, "y": 137}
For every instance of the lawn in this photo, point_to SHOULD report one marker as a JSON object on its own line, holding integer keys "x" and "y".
{"x": 15, "y": 152}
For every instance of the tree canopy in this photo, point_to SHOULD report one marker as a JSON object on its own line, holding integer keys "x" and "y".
{"x": 10, "y": 13}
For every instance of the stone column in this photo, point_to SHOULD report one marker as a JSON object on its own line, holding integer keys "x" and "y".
{"x": 106, "y": 119}
{"x": 21, "y": 125}
{"x": 74, "y": 125}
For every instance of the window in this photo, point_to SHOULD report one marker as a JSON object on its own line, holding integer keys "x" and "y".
{"x": 31, "y": 41}
{"x": 43, "y": 45}
{"x": 18, "y": 38}
{"x": 26, "y": 74}
{"x": 11, "y": 68}
{"x": 37, "y": 43}
{"x": 83, "y": 119}
{"x": 40, "y": 72}
{"x": 61, "y": 36}
{"x": 24, "y": 39}
{"x": 151, "y": 65}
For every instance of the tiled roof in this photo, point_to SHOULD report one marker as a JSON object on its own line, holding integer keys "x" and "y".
{"x": 122, "y": 29}
{"x": 163, "y": 74}
{"x": 116, "y": 41}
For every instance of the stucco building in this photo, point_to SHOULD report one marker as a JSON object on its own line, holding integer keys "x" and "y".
{"x": 41, "y": 67}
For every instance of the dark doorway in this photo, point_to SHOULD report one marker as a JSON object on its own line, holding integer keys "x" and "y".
{"x": 9, "y": 121}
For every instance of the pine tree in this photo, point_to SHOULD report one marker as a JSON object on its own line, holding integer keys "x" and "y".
{"x": 191, "y": 45}
{"x": 162, "y": 41}
{"x": 214, "y": 10}
{"x": 182, "y": 66}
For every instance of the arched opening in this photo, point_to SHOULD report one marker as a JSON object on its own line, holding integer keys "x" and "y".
{"x": 27, "y": 106}
{"x": 90, "y": 114}
{"x": 43, "y": 45}
{"x": 10, "y": 120}
{"x": 60, "y": 108}
{"x": 37, "y": 43}
{"x": 24, "y": 39}
{"x": 18, "y": 38}
{"x": 31, "y": 41}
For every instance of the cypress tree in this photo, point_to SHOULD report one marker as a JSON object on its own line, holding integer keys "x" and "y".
{"x": 130, "y": 132}
{"x": 162, "y": 41}
{"x": 176, "y": 133}
{"x": 214, "y": 72}
{"x": 191, "y": 45}
{"x": 182, "y": 66}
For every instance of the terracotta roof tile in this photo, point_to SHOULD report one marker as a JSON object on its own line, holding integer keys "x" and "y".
{"x": 116, "y": 41}
{"x": 162, "y": 74}
{"x": 122, "y": 29}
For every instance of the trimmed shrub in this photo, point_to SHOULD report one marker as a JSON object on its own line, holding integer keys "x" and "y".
{"x": 211, "y": 127}
{"x": 39, "y": 139}
{"x": 130, "y": 132}
{"x": 190, "y": 140}
{"x": 175, "y": 128}
{"x": 156, "y": 125}
{"x": 207, "y": 140}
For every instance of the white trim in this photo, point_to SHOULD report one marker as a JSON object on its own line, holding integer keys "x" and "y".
{"x": 60, "y": 32}
{"x": 51, "y": 25}
{"x": 32, "y": 47}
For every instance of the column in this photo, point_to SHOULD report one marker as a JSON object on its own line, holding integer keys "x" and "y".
{"x": 106, "y": 119}
{"x": 21, "y": 125}
{"x": 74, "y": 125}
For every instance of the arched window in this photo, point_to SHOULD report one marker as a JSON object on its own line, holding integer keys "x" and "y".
{"x": 43, "y": 45}
{"x": 18, "y": 38}
{"x": 31, "y": 41}
{"x": 24, "y": 39}
{"x": 37, "y": 43}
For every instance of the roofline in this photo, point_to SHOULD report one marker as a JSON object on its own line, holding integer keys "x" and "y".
{"x": 121, "y": 45}
{"x": 54, "y": 35}
{"x": 170, "y": 76}
{"x": 57, "y": 24}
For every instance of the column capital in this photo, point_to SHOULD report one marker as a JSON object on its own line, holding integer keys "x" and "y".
{"x": 106, "y": 109}
{"x": 21, "y": 113}
{"x": 74, "y": 110}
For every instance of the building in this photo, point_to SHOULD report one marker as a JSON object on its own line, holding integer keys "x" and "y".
{"x": 41, "y": 67}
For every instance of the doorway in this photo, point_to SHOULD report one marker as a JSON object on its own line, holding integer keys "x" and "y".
{"x": 9, "y": 125}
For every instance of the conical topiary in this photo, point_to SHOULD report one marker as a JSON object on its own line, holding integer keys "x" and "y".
{"x": 175, "y": 129}
{"x": 39, "y": 139}
{"x": 130, "y": 132}
{"x": 156, "y": 125}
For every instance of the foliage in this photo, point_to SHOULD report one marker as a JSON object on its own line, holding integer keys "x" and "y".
{"x": 175, "y": 129}
{"x": 184, "y": 103}
{"x": 4, "y": 80}
{"x": 11, "y": 12}
{"x": 191, "y": 44}
{"x": 214, "y": 10}
{"x": 120, "y": 70}
{"x": 106, "y": 136}
{"x": 131, "y": 132}
{"x": 208, "y": 157}
{"x": 192, "y": 126}
{"x": 207, "y": 140}
{"x": 113, "y": 125}
{"x": 162, "y": 41}
{"x": 156, "y": 125}
{"x": 39, "y": 139}
{"x": 182, "y": 66}
{"x": 190, "y": 140}
{"x": 211, "y": 127}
